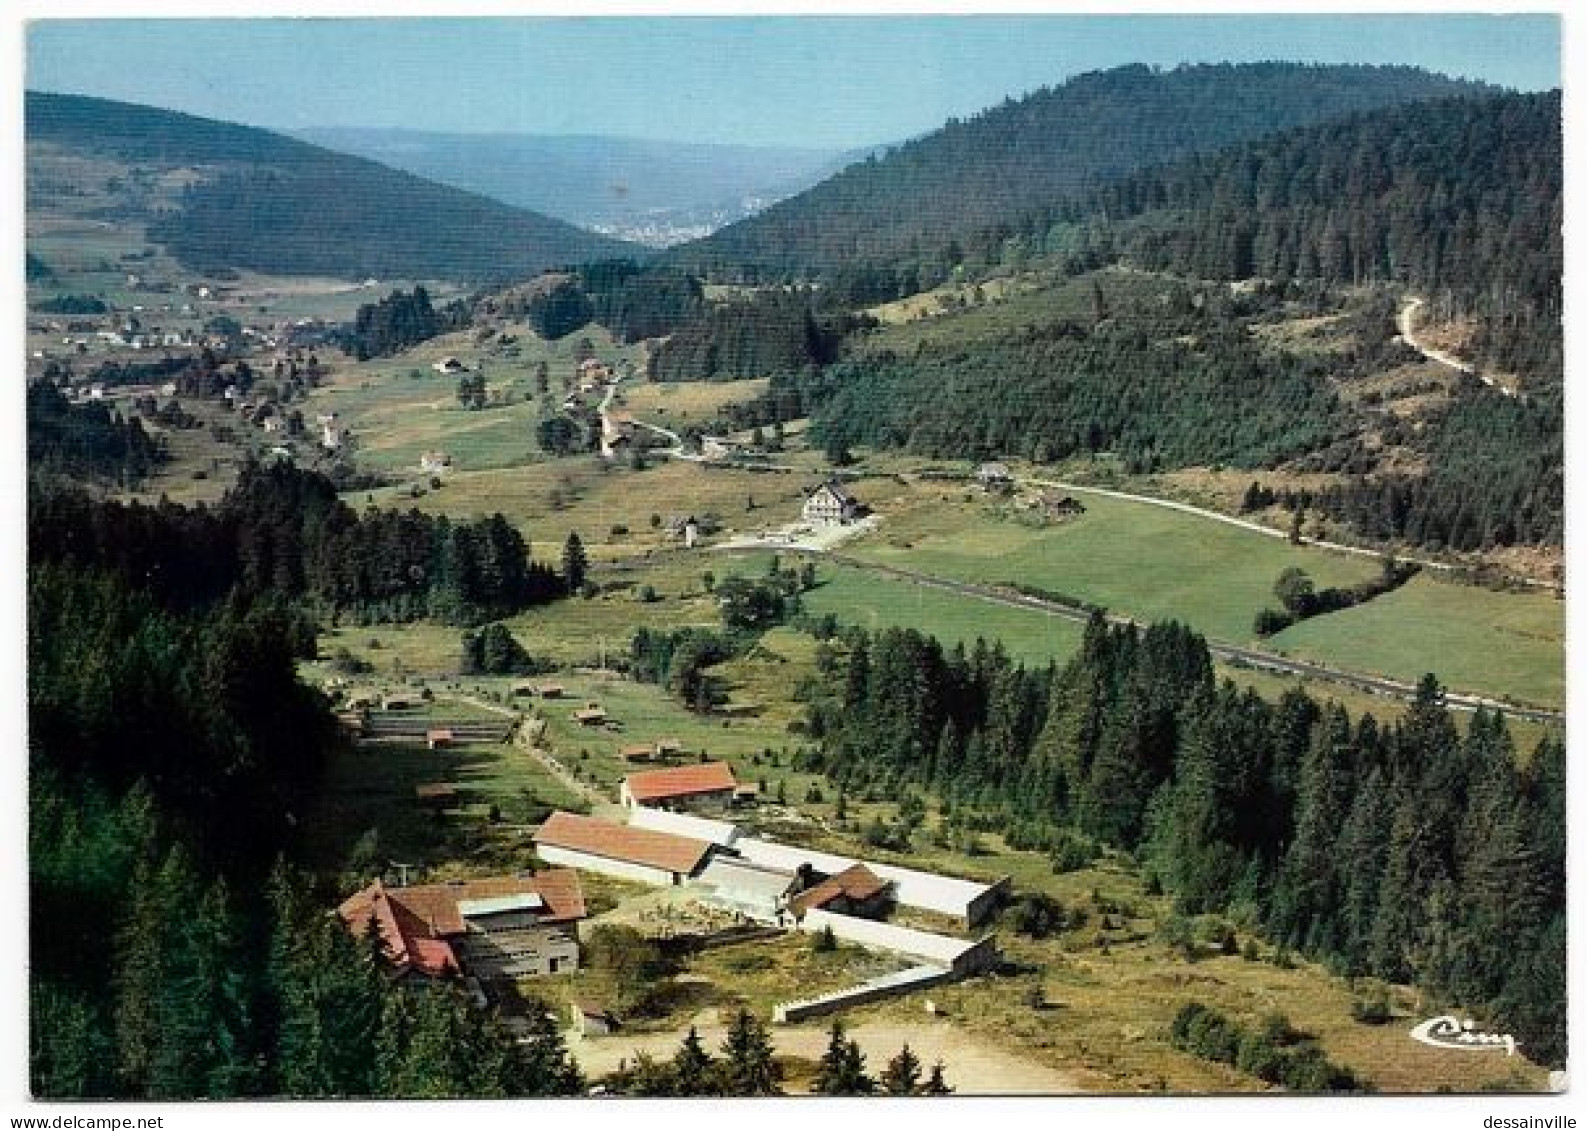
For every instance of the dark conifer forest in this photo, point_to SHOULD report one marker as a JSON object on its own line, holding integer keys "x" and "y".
{"x": 925, "y": 204}
{"x": 1404, "y": 851}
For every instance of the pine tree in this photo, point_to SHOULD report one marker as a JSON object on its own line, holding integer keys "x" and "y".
{"x": 747, "y": 1067}
{"x": 692, "y": 1067}
{"x": 841, "y": 1071}
{"x": 936, "y": 1083}
{"x": 902, "y": 1075}
{"x": 575, "y": 564}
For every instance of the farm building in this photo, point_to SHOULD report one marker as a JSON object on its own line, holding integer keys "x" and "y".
{"x": 853, "y": 891}
{"x": 719, "y": 833}
{"x": 830, "y": 504}
{"x": 433, "y": 463}
{"x": 551, "y": 691}
{"x": 629, "y": 853}
{"x": 396, "y": 703}
{"x": 439, "y": 739}
{"x": 593, "y": 1021}
{"x": 994, "y": 477}
{"x": 962, "y": 956}
{"x": 756, "y": 893}
{"x": 705, "y": 783}
{"x": 1060, "y": 506}
{"x": 719, "y": 447}
{"x": 590, "y": 715}
{"x": 449, "y": 365}
{"x": 639, "y": 752}
{"x": 524, "y": 690}
{"x": 947, "y": 895}
{"x": 500, "y": 927}
{"x": 669, "y": 747}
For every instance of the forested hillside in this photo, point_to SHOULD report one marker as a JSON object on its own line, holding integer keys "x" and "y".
{"x": 927, "y": 204}
{"x": 1461, "y": 200}
{"x": 269, "y": 203}
{"x": 1405, "y": 852}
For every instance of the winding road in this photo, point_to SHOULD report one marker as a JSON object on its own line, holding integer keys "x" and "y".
{"x": 1407, "y": 322}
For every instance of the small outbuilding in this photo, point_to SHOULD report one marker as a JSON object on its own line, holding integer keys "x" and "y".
{"x": 593, "y": 1020}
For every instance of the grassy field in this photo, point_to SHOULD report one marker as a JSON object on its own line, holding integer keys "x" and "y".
{"x": 954, "y": 315}
{"x": 675, "y": 404}
{"x": 368, "y": 791}
{"x": 1505, "y": 644}
{"x": 1133, "y": 558}
{"x": 874, "y": 601}
{"x": 398, "y": 408}
{"x": 1156, "y": 564}
{"x": 613, "y": 507}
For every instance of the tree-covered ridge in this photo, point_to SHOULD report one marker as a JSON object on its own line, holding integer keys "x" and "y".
{"x": 86, "y": 442}
{"x": 920, "y": 202}
{"x": 775, "y": 331}
{"x": 270, "y": 203}
{"x": 284, "y": 531}
{"x": 1170, "y": 380}
{"x": 1403, "y": 851}
{"x": 1495, "y": 477}
{"x": 1460, "y": 199}
{"x": 399, "y": 322}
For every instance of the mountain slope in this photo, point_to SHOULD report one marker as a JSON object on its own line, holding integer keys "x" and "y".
{"x": 649, "y": 190}
{"x": 1460, "y": 199}
{"x": 258, "y": 200}
{"x": 913, "y": 203}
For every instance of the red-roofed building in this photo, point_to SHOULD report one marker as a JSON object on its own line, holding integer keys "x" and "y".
{"x": 854, "y": 891}
{"x": 503, "y": 927}
{"x": 626, "y": 851}
{"x": 677, "y": 787}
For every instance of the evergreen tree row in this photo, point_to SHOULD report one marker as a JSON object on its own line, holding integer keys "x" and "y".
{"x": 283, "y": 530}
{"x": 87, "y": 442}
{"x": 1403, "y": 851}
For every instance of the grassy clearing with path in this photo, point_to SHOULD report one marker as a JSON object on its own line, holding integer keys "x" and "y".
{"x": 1143, "y": 561}
{"x": 1503, "y": 644}
{"x": 1152, "y": 563}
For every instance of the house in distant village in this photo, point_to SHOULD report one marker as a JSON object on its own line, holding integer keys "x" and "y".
{"x": 449, "y": 365}
{"x": 433, "y": 463}
{"x": 500, "y": 928}
{"x": 830, "y": 504}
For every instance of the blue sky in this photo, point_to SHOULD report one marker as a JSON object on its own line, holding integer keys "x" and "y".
{"x": 826, "y": 81}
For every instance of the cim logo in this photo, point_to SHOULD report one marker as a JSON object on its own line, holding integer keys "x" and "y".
{"x": 1449, "y": 1032}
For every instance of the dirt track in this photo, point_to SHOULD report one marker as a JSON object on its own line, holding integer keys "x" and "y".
{"x": 971, "y": 1065}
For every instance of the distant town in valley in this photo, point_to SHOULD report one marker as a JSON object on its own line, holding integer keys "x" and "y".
{"x": 1069, "y": 601}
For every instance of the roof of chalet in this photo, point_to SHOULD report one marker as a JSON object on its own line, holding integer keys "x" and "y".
{"x": 858, "y": 883}
{"x": 415, "y": 922}
{"x": 836, "y": 489}
{"x": 622, "y": 842}
{"x": 681, "y": 781}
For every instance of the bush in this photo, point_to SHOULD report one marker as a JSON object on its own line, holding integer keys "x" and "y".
{"x": 1372, "y": 1006}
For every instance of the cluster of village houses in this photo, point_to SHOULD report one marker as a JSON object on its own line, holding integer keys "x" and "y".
{"x": 676, "y": 836}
